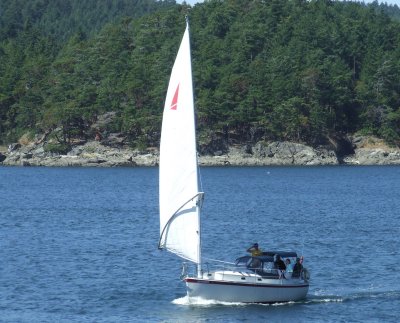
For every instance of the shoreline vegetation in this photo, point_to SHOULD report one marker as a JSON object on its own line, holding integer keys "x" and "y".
{"x": 269, "y": 78}
{"x": 363, "y": 151}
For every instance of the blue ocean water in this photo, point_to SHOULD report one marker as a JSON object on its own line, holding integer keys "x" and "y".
{"x": 80, "y": 244}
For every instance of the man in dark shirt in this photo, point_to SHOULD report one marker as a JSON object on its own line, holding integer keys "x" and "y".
{"x": 280, "y": 266}
{"x": 298, "y": 267}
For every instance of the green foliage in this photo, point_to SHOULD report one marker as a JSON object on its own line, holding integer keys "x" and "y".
{"x": 282, "y": 69}
{"x": 57, "y": 148}
{"x": 62, "y": 19}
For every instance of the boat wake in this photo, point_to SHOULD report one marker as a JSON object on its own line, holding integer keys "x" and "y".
{"x": 311, "y": 299}
{"x": 198, "y": 301}
{"x": 394, "y": 294}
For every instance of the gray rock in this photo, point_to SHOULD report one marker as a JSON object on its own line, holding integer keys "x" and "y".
{"x": 94, "y": 154}
{"x": 39, "y": 151}
{"x": 96, "y": 161}
{"x": 260, "y": 150}
{"x": 13, "y": 147}
{"x": 377, "y": 156}
{"x": 76, "y": 151}
{"x": 26, "y": 155}
{"x": 288, "y": 153}
{"x": 103, "y": 121}
{"x": 25, "y": 163}
{"x": 114, "y": 140}
{"x": 12, "y": 159}
{"x": 369, "y": 150}
{"x": 213, "y": 146}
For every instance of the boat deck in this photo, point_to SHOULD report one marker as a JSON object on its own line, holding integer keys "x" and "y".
{"x": 249, "y": 277}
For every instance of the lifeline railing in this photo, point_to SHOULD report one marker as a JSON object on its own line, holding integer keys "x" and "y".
{"x": 190, "y": 270}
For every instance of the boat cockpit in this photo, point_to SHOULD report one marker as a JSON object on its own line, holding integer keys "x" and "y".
{"x": 264, "y": 265}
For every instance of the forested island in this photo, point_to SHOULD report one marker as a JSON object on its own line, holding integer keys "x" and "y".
{"x": 317, "y": 73}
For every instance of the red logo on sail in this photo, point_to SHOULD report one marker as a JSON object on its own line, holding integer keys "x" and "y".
{"x": 174, "y": 103}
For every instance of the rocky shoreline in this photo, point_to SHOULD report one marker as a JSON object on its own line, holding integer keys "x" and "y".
{"x": 365, "y": 151}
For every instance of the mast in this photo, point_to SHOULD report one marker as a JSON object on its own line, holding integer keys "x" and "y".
{"x": 200, "y": 197}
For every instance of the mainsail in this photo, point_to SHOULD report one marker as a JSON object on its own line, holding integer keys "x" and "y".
{"x": 179, "y": 193}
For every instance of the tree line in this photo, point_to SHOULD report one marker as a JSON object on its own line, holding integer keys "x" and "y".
{"x": 274, "y": 69}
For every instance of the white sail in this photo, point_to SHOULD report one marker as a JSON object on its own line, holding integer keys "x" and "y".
{"x": 179, "y": 193}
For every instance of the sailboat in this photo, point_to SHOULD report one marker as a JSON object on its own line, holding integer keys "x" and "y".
{"x": 249, "y": 279}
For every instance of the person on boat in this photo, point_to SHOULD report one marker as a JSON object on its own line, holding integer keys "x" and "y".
{"x": 289, "y": 265}
{"x": 254, "y": 250}
{"x": 298, "y": 267}
{"x": 280, "y": 266}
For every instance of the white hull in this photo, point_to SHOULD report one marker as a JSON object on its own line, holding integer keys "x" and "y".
{"x": 246, "y": 288}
